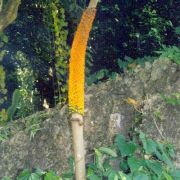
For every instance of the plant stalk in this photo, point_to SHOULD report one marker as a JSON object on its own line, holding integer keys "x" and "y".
{"x": 78, "y": 146}
{"x": 93, "y": 3}
{"x": 76, "y": 86}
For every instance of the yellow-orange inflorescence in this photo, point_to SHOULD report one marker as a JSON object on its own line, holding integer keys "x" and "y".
{"x": 77, "y": 62}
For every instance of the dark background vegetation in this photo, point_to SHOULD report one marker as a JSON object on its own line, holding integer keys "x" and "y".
{"x": 37, "y": 45}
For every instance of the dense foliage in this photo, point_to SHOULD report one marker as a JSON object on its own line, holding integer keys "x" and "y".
{"x": 132, "y": 29}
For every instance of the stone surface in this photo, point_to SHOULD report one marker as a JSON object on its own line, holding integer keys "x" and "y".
{"x": 108, "y": 112}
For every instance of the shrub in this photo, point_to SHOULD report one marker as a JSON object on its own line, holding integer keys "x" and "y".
{"x": 170, "y": 52}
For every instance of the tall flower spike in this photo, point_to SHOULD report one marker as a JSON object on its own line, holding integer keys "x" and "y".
{"x": 77, "y": 62}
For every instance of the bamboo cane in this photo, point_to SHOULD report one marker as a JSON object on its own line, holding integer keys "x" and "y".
{"x": 76, "y": 87}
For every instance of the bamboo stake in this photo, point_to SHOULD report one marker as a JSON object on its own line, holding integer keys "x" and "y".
{"x": 76, "y": 87}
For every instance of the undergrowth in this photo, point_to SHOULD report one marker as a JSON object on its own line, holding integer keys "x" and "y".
{"x": 139, "y": 158}
{"x": 31, "y": 125}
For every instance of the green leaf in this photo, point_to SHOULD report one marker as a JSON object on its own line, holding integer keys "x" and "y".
{"x": 135, "y": 163}
{"x": 107, "y": 167}
{"x": 90, "y": 171}
{"x": 128, "y": 59}
{"x": 69, "y": 175}
{"x": 113, "y": 75}
{"x": 34, "y": 176}
{"x": 92, "y": 166}
{"x": 71, "y": 163}
{"x": 163, "y": 156}
{"x": 126, "y": 148}
{"x": 140, "y": 176}
{"x": 94, "y": 177}
{"x": 51, "y": 176}
{"x": 6, "y": 178}
{"x": 177, "y": 30}
{"x": 92, "y": 79}
{"x": 155, "y": 166}
{"x": 24, "y": 175}
{"x": 107, "y": 172}
{"x": 170, "y": 150}
{"x": 123, "y": 176}
{"x": 113, "y": 176}
{"x": 99, "y": 160}
{"x": 3, "y": 37}
{"x": 167, "y": 176}
{"x": 27, "y": 175}
{"x": 124, "y": 165}
{"x": 108, "y": 151}
{"x": 155, "y": 148}
{"x": 40, "y": 172}
{"x": 148, "y": 144}
{"x": 122, "y": 64}
{"x": 101, "y": 74}
{"x": 175, "y": 174}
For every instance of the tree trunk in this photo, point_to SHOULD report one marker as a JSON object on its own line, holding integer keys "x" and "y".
{"x": 8, "y": 12}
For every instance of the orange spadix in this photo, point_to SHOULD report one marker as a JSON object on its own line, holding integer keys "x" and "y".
{"x": 77, "y": 62}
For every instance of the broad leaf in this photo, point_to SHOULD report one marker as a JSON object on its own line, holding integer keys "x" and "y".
{"x": 148, "y": 144}
{"x": 162, "y": 155}
{"x": 51, "y": 176}
{"x": 155, "y": 166}
{"x": 25, "y": 175}
{"x": 113, "y": 176}
{"x": 135, "y": 163}
{"x": 123, "y": 176}
{"x": 40, "y": 172}
{"x": 34, "y": 176}
{"x": 94, "y": 177}
{"x": 124, "y": 165}
{"x": 99, "y": 160}
{"x": 168, "y": 176}
{"x": 108, "y": 151}
{"x": 126, "y": 148}
{"x": 175, "y": 174}
{"x": 140, "y": 176}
